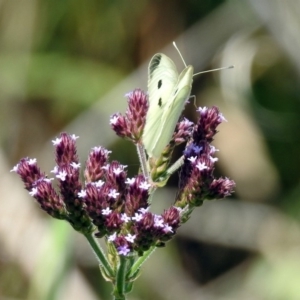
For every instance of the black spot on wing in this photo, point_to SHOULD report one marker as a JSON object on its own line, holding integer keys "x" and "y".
{"x": 159, "y": 102}
{"x": 159, "y": 84}
{"x": 154, "y": 64}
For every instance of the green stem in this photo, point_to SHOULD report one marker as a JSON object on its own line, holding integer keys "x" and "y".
{"x": 100, "y": 255}
{"x": 120, "y": 279}
{"x": 137, "y": 265}
{"x": 119, "y": 297}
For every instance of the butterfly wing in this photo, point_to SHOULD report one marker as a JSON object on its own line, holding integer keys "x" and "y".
{"x": 173, "y": 109}
{"x": 163, "y": 77}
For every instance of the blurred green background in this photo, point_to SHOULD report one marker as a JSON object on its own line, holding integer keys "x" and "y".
{"x": 66, "y": 66}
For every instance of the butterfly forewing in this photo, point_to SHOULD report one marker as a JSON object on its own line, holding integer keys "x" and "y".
{"x": 173, "y": 109}
{"x": 163, "y": 77}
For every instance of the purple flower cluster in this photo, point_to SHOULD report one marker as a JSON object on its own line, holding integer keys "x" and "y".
{"x": 146, "y": 230}
{"x": 197, "y": 181}
{"x": 110, "y": 204}
{"x": 132, "y": 124}
{"x": 40, "y": 187}
{"x": 118, "y": 206}
{"x": 109, "y": 201}
{"x": 65, "y": 204}
{"x": 183, "y": 132}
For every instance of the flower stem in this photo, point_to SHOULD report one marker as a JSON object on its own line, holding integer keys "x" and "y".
{"x": 137, "y": 265}
{"x": 119, "y": 291}
{"x": 100, "y": 255}
{"x": 143, "y": 160}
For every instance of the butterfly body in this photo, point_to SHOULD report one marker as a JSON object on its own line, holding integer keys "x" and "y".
{"x": 168, "y": 92}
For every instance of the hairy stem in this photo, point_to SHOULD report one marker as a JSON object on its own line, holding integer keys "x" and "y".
{"x": 143, "y": 160}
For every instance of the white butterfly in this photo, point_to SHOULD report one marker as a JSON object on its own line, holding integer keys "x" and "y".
{"x": 168, "y": 92}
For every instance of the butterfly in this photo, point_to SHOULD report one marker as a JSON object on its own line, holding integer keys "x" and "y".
{"x": 168, "y": 92}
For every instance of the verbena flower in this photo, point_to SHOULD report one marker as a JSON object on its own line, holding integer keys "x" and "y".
{"x": 107, "y": 200}
{"x": 107, "y": 203}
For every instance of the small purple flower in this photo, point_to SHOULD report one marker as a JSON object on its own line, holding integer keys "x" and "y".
{"x": 137, "y": 217}
{"x": 130, "y": 181}
{"x": 98, "y": 183}
{"x": 32, "y": 161}
{"x": 107, "y": 211}
{"x": 74, "y": 137}
{"x": 168, "y": 229}
{"x": 62, "y": 175}
{"x": 143, "y": 210}
{"x": 112, "y": 237}
{"x": 192, "y": 159}
{"x": 15, "y": 168}
{"x": 130, "y": 237}
{"x": 119, "y": 170}
{"x": 213, "y": 150}
{"x": 57, "y": 141}
{"x": 75, "y": 165}
{"x": 82, "y": 194}
{"x": 192, "y": 150}
{"x": 213, "y": 159}
{"x": 114, "y": 119}
{"x": 158, "y": 221}
{"x": 123, "y": 250}
{"x": 122, "y": 245}
{"x": 202, "y": 110}
{"x": 33, "y": 192}
{"x": 55, "y": 170}
{"x": 201, "y": 166}
{"x": 113, "y": 194}
{"x": 125, "y": 218}
{"x": 145, "y": 185}
{"x": 222, "y": 118}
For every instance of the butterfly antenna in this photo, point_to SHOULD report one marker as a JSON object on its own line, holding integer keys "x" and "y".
{"x": 213, "y": 70}
{"x": 174, "y": 44}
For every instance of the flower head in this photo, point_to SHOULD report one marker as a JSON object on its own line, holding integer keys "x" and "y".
{"x": 197, "y": 181}
{"x": 97, "y": 159}
{"x": 131, "y": 125}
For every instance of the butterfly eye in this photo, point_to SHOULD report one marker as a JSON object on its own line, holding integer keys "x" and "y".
{"x": 159, "y": 84}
